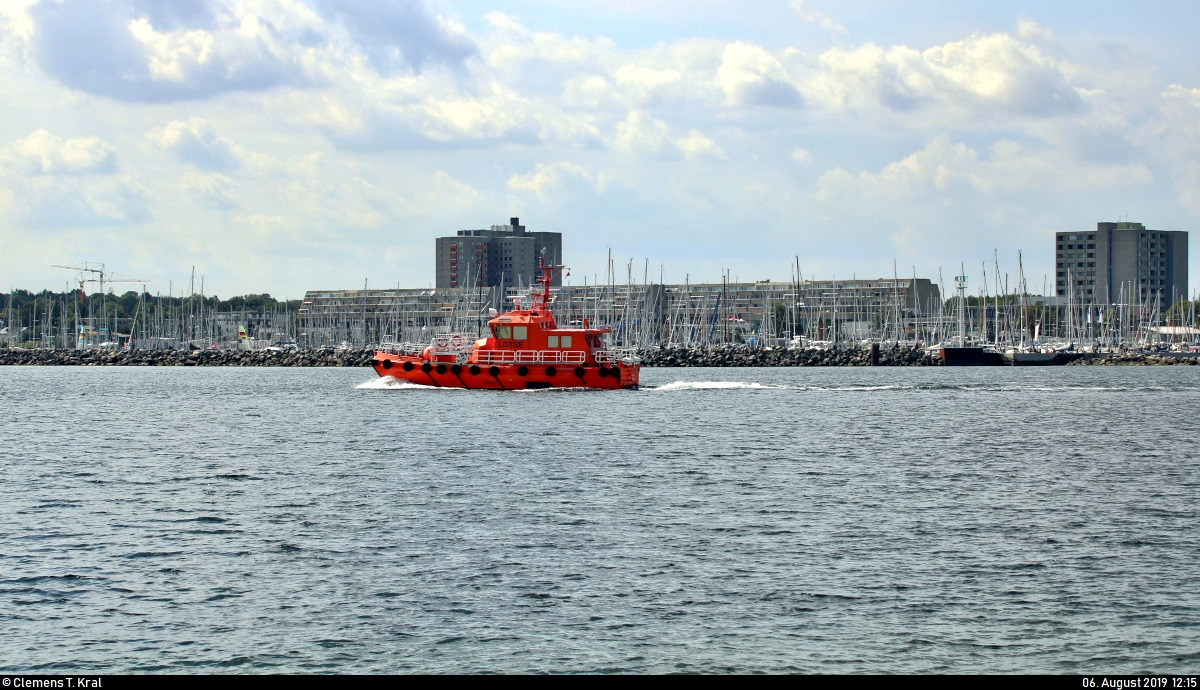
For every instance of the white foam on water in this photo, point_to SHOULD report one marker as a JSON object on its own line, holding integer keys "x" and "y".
{"x": 853, "y": 388}
{"x": 388, "y": 383}
{"x": 726, "y": 385}
{"x": 702, "y": 385}
{"x": 392, "y": 383}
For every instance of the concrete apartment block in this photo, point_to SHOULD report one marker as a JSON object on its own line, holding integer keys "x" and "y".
{"x": 1117, "y": 261}
{"x": 503, "y": 256}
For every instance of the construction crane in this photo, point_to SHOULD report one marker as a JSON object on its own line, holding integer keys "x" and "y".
{"x": 97, "y": 269}
{"x": 92, "y": 272}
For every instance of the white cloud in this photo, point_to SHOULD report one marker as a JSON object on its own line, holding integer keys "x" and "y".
{"x": 114, "y": 49}
{"x": 641, "y": 134}
{"x": 495, "y": 114}
{"x": 402, "y": 34}
{"x": 645, "y": 77}
{"x": 568, "y": 192}
{"x": 946, "y": 167}
{"x": 341, "y": 199}
{"x": 59, "y": 202}
{"x": 42, "y": 153}
{"x": 1179, "y": 135}
{"x": 1181, "y": 93}
{"x": 197, "y": 142}
{"x": 1030, "y": 30}
{"x": 146, "y": 51}
{"x": 213, "y": 191}
{"x": 52, "y": 182}
{"x": 548, "y": 179}
{"x": 671, "y": 76}
{"x": 695, "y": 145}
{"x": 813, "y": 17}
{"x": 978, "y": 79}
{"x": 750, "y": 75}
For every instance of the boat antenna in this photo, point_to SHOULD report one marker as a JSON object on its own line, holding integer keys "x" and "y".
{"x": 541, "y": 298}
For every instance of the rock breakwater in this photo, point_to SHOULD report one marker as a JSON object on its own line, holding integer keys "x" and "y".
{"x": 1139, "y": 359}
{"x": 320, "y": 357}
{"x": 654, "y": 357}
{"x": 746, "y": 357}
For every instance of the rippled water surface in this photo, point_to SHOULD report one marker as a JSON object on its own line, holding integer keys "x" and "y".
{"x": 813, "y": 520}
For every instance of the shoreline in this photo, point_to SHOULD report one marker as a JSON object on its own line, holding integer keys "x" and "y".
{"x": 741, "y": 357}
{"x": 318, "y": 357}
{"x": 654, "y": 358}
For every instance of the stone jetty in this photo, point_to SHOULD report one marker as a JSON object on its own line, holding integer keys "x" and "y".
{"x": 746, "y": 357}
{"x": 320, "y": 357}
{"x": 1138, "y": 359}
{"x": 331, "y": 357}
{"x": 653, "y": 357}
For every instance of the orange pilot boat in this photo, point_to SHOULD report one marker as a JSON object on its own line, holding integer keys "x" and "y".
{"x": 525, "y": 350}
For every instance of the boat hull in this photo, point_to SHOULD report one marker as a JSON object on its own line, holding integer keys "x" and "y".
{"x": 1040, "y": 359}
{"x": 978, "y": 357}
{"x": 506, "y": 376}
{"x": 970, "y": 357}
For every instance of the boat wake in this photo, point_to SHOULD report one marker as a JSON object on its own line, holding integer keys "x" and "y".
{"x": 703, "y": 385}
{"x": 392, "y": 383}
{"x": 754, "y": 385}
{"x": 389, "y": 383}
{"x": 970, "y": 387}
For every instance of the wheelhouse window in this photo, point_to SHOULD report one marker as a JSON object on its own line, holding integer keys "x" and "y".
{"x": 520, "y": 332}
{"x": 565, "y": 340}
{"x": 503, "y": 332}
{"x": 552, "y": 341}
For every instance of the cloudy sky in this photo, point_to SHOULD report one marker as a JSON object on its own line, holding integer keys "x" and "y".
{"x": 285, "y": 145}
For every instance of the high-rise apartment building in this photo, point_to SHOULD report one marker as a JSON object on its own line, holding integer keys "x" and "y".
{"x": 504, "y": 256}
{"x": 1120, "y": 260}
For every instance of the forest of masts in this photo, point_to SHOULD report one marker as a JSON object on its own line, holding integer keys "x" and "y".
{"x": 641, "y": 314}
{"x": 73, "y": 319}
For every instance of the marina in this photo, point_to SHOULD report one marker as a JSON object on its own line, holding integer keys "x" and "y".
{"x": 1013, "y": 323}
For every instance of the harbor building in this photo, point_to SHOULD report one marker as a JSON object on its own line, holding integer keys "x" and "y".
{"x": 1122, "y": 261}
{"x": 504, "y": 256}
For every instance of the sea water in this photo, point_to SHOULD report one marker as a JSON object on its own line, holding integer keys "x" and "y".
{"x": 717, "y": 520}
